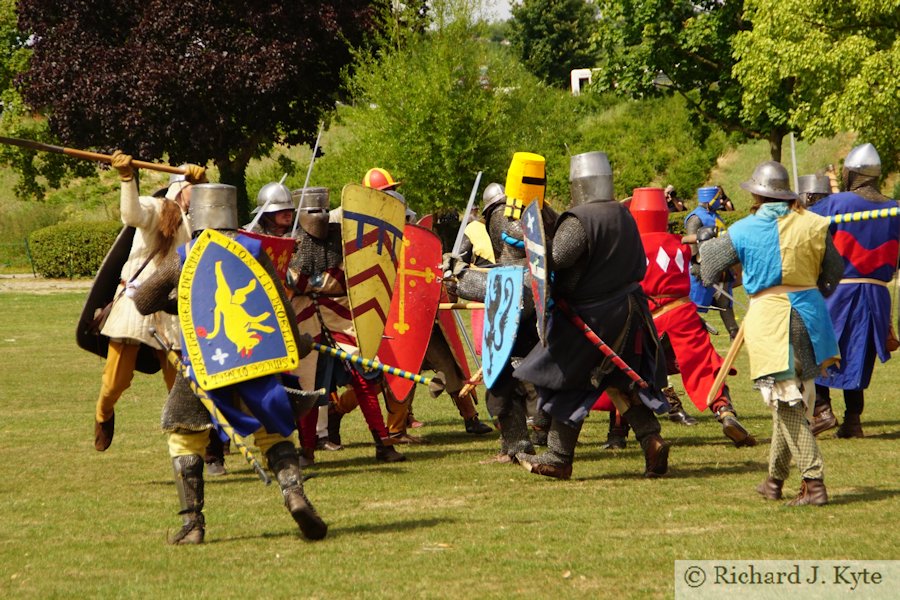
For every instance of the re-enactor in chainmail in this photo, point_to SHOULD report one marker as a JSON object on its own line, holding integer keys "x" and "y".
{"x": 788, "y": 263}
{"x": 598, "y": 263}
{"x": 184, "y": 418}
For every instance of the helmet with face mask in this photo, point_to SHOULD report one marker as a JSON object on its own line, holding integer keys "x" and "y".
{"x": 312, "y": 208}
{"x": 213, "y": 206}
{"x": 526, "y": 182}
{"x": 590, "y": 178}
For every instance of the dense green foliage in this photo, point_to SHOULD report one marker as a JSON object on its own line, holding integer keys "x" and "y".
{"x": 72, "y": 249}
{"x": 436, "y": 112}
{"x": 651, "y": 142}
{"x": 552, "y": 37}
{"x": 840, "y": 60}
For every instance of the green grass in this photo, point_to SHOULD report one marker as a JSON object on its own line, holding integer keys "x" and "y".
{"x": 78, "y": 523}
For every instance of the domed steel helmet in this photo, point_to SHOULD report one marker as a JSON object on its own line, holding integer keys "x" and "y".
{"x": 864, "y": 160}
{"x": 213, "y": 206}
{"x": 590, "y": 178}
{"x": 278, "y": 197}
{"x": 813, "y": 184}
{"x": 770, "y": 180}
{"x": 379, "y": 179}
{"x": 491, "y": 198}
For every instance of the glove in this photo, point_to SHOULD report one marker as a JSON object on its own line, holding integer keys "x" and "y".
{"x": 304, "y": 344}
{"x": 453, "y": 265}
{"x": 704, "y": 234}
{"x": 195, "y": 174}
{"x": 121, "y": 162}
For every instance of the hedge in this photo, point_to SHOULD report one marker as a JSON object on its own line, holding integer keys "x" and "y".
{"x": 72, "y": 249}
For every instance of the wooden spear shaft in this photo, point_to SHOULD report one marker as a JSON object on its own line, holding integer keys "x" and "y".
{"x": 95, "y": 156}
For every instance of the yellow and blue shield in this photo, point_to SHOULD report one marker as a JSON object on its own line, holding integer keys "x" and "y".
{"x": 234, "y": 324}
{"x": 536, "y": 252}
{"x": 372, "y": 231}
{"x": 502, "y": 310}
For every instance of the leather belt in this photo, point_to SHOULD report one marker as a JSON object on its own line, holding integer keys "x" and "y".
{"x": 865, "y": 280}
{"x": 670, "y": 306}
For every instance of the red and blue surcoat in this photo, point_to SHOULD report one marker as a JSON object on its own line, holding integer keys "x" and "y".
{"x": 860, "y": 308}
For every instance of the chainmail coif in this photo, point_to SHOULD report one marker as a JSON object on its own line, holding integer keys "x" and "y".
{"x": 316, "y": 256}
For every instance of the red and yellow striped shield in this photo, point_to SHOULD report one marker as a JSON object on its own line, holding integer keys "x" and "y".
{"x": 372, "y": 231}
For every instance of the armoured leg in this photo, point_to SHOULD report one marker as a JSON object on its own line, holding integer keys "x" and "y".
{"x": 727, "y": 314}
{"x": 188, "y": 472}
{"x": 646, "y": 430}
{"x": 284, "y": 463}
{"x": 677, "y": 413}
{"x": 557, "y": 460}
{"x": 514, "y": 429}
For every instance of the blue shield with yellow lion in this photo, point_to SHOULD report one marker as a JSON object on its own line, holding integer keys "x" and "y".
{"x": 234, "y": 324}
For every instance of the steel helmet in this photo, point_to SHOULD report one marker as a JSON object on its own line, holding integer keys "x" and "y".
{"x": 278, "y": 197}
{"x": 864, "y": 160}
{"x": 770, "y": 180}
{"x": 379, "y": 179}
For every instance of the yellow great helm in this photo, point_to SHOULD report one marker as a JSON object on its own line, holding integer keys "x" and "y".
{"x": 526, "y": 182}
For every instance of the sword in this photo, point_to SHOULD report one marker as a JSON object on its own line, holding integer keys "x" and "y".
{"x": 207, "y": 402}
{"x": 435, "y": 384}
{"x": 308, "y": 173}
{"x": 456, "y": 245}
{"x": 95, "y": 156}
{"x": 721, "y": 289}
{"x": 600, "y": 344}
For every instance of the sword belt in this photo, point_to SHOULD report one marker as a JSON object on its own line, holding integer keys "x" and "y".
{"x": 658, "y": 312}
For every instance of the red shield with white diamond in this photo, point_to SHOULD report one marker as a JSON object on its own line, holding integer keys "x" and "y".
{"x": 371, "y": 230}
{"x": 413, "y": 306}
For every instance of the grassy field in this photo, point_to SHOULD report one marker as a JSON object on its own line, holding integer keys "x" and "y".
{"x": 78, "y": 523}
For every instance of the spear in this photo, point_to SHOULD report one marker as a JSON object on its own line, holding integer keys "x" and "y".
{"x": 95, "y": 156}
{"x": 435, "y": 384}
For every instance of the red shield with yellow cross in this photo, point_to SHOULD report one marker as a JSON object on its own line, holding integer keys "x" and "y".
{"x": 413, "y": 306}
{"x": 372, "y": 231}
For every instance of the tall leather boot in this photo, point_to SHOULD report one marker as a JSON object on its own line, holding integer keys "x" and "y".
{"x": 557, "y": 460}
{"x": 646, "y": 430}
{"x": 385, "y": 453}
{"x": 284, "y": 463}
{"x": 334, "y": 427}
{"x": 188, "y": 472}
{"x": 618, "y": 432}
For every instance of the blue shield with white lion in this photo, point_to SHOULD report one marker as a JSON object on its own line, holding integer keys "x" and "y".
{"x": 502, "y": 310}
{"x": 233, "y": 322}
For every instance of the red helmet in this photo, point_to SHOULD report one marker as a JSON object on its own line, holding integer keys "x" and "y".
{"x": 649, "y": 209}
{"x": 379, "y": 179}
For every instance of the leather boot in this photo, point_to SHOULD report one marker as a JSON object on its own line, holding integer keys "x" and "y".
{"x": 103, "y": 433}
{"x": 851, "y": 427}
{"x": 812, "y": 493}
{"x": 385, "y": 453}
{"x": 618, "y": 432}
{"x": 823, "y": 419}
{"x": 676, "y": 412}
{"x": 307, "y": 457}
{"x": 465, "y": 406}
{"x": 646, "y": 429}
{"x": 334, "y": 427}
{"x": 215, "y": 455}
{"x": 188, "y": 472}
{"x": 557, "y": 460}
{"x": 770, "y": 489}
{"x": 732, "y": 428}
{"x": 285, "y": 464}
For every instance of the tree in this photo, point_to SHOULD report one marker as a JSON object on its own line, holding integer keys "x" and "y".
{"x": 656, "y": 47}
{"x": 191, "y": 81}
{"x": 441, "y": 109}
{"x": 840, "y": 60}
{"x": 552, "y": 37}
